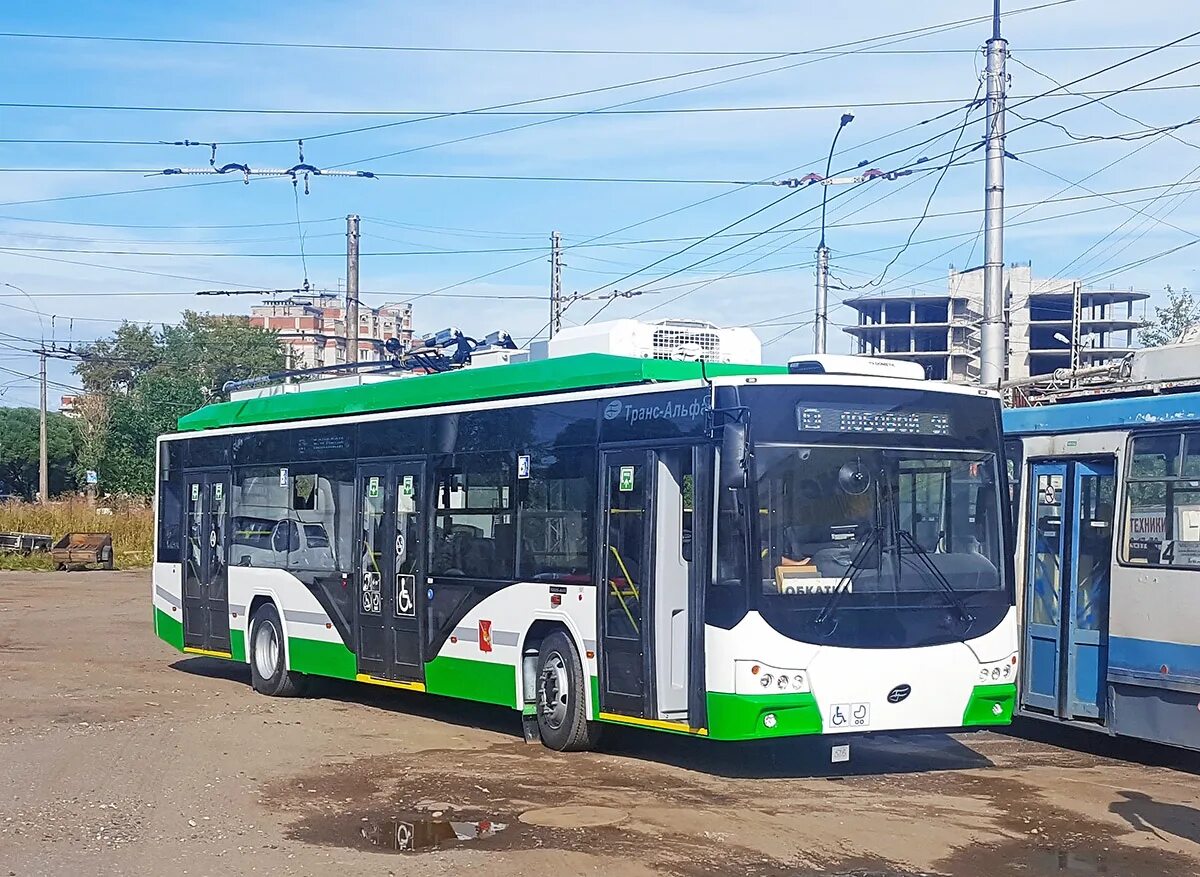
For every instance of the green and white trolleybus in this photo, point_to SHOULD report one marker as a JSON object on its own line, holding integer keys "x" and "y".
{"x": 730, "y": 551}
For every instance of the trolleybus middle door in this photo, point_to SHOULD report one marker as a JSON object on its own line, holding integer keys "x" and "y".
{"x": 391, "y": 567}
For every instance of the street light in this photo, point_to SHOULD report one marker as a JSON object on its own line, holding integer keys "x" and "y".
{"x": 822, "y": 321}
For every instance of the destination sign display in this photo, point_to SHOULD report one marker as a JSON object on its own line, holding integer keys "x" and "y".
{"x": 872, "y": 420}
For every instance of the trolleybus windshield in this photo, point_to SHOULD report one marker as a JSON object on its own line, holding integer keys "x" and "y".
{"x": 877, "y": 514}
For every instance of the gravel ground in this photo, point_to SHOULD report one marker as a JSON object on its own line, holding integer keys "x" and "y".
{"x": 120, "y": 756}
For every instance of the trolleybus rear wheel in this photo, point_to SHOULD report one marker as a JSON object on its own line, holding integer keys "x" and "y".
{"x": 268, "y": 670}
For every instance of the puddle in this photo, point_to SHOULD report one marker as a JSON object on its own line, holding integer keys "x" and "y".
{"x": 1069, "y": 862}
{"x": 415, "y": 834}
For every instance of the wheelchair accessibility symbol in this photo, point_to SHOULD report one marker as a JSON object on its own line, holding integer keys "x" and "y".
{"x": 405, "y": 595}
{"x": 852, "y": 716}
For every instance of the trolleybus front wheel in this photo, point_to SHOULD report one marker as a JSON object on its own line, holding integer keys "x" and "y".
{"x": 561, "y": 702}
{"x": 268, "y": 671}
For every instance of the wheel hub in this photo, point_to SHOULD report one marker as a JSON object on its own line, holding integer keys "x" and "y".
{"x": 266, "y": 649}
{"x": 552, "y": 692}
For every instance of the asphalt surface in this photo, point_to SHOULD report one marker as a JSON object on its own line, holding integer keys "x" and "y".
{"x": 121, "y": 756}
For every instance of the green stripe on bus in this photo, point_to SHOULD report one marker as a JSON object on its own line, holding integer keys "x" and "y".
{"x": 483, "y": 681}
{"x": 321, "y": 658}
{"x": 237, "y": 644}
{"x": 981, "y": 708}
{"x": 595, "y": 698}
{"x": 168, "y": 629}
{"x": 741, "y": 716}
{"x": 582, "y": 372}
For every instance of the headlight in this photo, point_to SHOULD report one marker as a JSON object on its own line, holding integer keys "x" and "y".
{"x": 755, "y": 677}
{"x": 998, "y": 672}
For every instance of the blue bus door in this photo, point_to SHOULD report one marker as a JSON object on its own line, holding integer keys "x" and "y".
{"x": 1044, "y": 586}
{"x": 1066, "y": 599}
{"x": 1091, "y": 559}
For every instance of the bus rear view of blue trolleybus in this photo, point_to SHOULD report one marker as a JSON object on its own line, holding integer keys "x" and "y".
{"x": 861, "y": 534}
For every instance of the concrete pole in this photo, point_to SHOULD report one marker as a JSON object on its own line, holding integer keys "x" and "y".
{"x": 352, "y": 288}
{"x": 43, "y": 462}
{"x": 993, "y": 341}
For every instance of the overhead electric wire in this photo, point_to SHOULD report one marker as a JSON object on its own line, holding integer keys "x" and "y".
{"x": 672, "y": 212}
{"x": 1143, "y": 261}
{"x": 592, "y": 242}
{"x": 932, "y": 194}
{"x": 901, "y": 36}
{"x": 167, "y": 227}
{"x": 794, "y": 239}
{"x": 636, "y": 289}
{"x": 1103, "y": 103}
{"x": 493, "y": 50}
{"x": 645, "y": 111}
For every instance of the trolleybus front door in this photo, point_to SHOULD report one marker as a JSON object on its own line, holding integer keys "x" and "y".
{"x": 391, "y": 566}
{"x": 1066, "y": 599}
{"x": 205, "y": 576}
{"x": 645, "y": 554}
{"x": 627, "y": 541}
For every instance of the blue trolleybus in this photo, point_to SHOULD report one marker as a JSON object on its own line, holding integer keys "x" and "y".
{"x": 1107, "y": 497}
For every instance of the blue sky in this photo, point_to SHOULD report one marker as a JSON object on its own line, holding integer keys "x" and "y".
{"x": 1090, "y": 238}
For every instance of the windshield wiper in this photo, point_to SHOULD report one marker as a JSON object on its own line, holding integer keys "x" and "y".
{"x": 938, "y": 576}
{"x": 843, "y": 585}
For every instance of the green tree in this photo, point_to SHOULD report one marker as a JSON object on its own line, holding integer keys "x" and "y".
{"x": 148, "y": 378}
{"x": 19, "y": 452}
{"x": 1181, "y": 311}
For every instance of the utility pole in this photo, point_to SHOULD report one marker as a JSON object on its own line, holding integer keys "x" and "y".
{"x": 43, "y": 465}
{"x": 993, "y": 340}
{"x": 555, "y": 283}
{"x": 1076, "y": 327}
{"x": 821, "y": 323}
{"x": 352, "y": 288}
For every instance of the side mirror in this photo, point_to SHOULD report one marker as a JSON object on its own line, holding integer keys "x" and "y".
{"x": 735, "y": 455}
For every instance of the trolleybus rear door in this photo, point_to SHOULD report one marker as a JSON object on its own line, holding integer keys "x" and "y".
{"x": 391, "y": 566}
{"x": 1091, "y": 559}
{"x": 626, "y": 567}
{"x": 1044, "y": 586}
{"x": 205, "y": 577}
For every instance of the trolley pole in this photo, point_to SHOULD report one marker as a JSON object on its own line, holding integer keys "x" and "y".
{"x": 43, "y": 464}
{"x": 352, "y": 288}
{"x": 994, "y": 335}
{"x": 555, "y": 283}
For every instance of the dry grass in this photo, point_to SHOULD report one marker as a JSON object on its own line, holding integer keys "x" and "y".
{"x": 131, "y": 524}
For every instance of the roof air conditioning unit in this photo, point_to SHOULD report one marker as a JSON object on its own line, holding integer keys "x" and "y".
{"x": 688, "y": 340}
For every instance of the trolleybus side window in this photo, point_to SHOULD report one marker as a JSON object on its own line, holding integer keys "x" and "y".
{"x": 474, "y": 535}
{"x": 554, "y": 519}
{"x": 170, "y": 504}
{"x": 289, "y": 520}
{"x": 1162, "y": 501}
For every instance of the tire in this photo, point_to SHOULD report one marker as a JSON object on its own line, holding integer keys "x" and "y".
{"x": 561, "y": 702}
{"x": 268, "y": 671}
